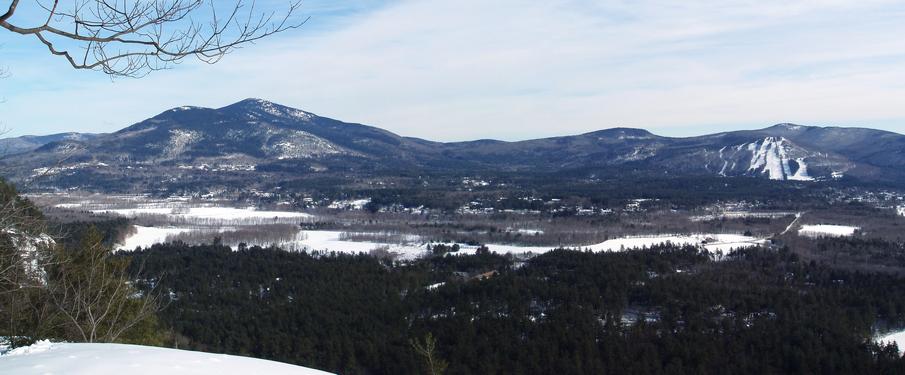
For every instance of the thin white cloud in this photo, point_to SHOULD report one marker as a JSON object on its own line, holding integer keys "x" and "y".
{"x": 464, "y": 69}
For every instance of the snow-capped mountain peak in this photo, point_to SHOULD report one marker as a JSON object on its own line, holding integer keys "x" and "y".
{"x": 257, "y": 108}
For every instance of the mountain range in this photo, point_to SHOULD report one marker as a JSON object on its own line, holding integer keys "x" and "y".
{"x": 255, "y": 135}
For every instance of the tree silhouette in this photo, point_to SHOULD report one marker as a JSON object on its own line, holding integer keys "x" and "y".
{"x": 134, "y": 38}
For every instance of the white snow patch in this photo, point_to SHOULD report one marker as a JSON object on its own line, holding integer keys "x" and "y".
{"x": 180, "y": 140}
{"x": 802, "y": 173}
{"x": 28, "y": 247}
{"x": 770, "y": 157}
{"x": 740, "y": 215}
{"x": 330, "y": 241}
{"x": 825, "y": 230}
{"x": 355, "y": 204}
{"x": 710, "y": 242}
{"x": 50, "y": 171}
{"x": 102, "y": 359}
{"x": 725, "y": 165}
{"x": 146, "y": 236}
{"x": 897, "y": 338}
{"x": 300, "y": 145}
{"x": 281, "y": 111}
{"x": 38, "y": 347}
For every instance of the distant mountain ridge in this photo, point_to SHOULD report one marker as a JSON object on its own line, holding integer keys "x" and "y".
{"x": 16, "y": 145}
{"x": 257, "y": 135}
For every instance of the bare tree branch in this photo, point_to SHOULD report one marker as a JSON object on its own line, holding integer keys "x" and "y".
{"x": 134, "y": 38}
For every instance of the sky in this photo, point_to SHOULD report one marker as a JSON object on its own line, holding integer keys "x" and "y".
{"x": 452, "y": 70}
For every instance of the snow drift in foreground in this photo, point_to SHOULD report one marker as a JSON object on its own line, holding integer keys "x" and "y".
{"x": 100, "y": 359}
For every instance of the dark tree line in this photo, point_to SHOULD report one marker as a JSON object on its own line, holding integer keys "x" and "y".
{"x": 662, "y": 310}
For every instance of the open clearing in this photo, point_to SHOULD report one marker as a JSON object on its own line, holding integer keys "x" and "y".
{"x": 825, "y": 230}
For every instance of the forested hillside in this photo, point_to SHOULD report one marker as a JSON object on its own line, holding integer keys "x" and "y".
{"x": 663, "y": 310}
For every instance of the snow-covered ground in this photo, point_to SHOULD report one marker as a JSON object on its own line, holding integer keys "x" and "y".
{"x": 147, "y": 236}
{"x": 330, "y": 241}
{"x": 117, "y": 359}
{"x": 741, "y": 215}
{"x": 710, "y": 242}
{"x": 323, "y": 240}
{"x": 771, "y": 157}
{"x": 207, "y": 213}
{"x": 894, "y": 337}
{"x": 355, "y": 204}
{"x": 825, "y": 230}
{"x": 28, "y": 247}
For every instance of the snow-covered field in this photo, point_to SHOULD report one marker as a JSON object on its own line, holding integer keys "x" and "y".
{"x": 413, "y": 247}
{"x": 741, "y": 215}
{"x": 147, "y": 236}
{"x": 330, "y": 241}
{"x": 710, "y": 242}
{"x": 825, "y": 230}
{"x": 207, "y": 213}
{"x": 117, "y": 359}
{"x": 159, "y": 220}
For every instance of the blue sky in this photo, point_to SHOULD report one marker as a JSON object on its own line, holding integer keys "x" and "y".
{"x": 468, "y": 69}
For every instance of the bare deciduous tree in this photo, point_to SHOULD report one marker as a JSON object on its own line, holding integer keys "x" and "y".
{"x": 428, "y": 350}
{"x": 133, "y": 38}
{"x": 94, "y": 296}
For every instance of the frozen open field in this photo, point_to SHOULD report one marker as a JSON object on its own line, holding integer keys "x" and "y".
{"x": 741, "y": 215}
{"x": 331, "y": 241}
{"x": 147, "y": 236}
{"x": 194, "y": 221}
{"x": 209, "y": 214}
{"x": 825, "y": 230}
{"x": 710, "y": 242}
